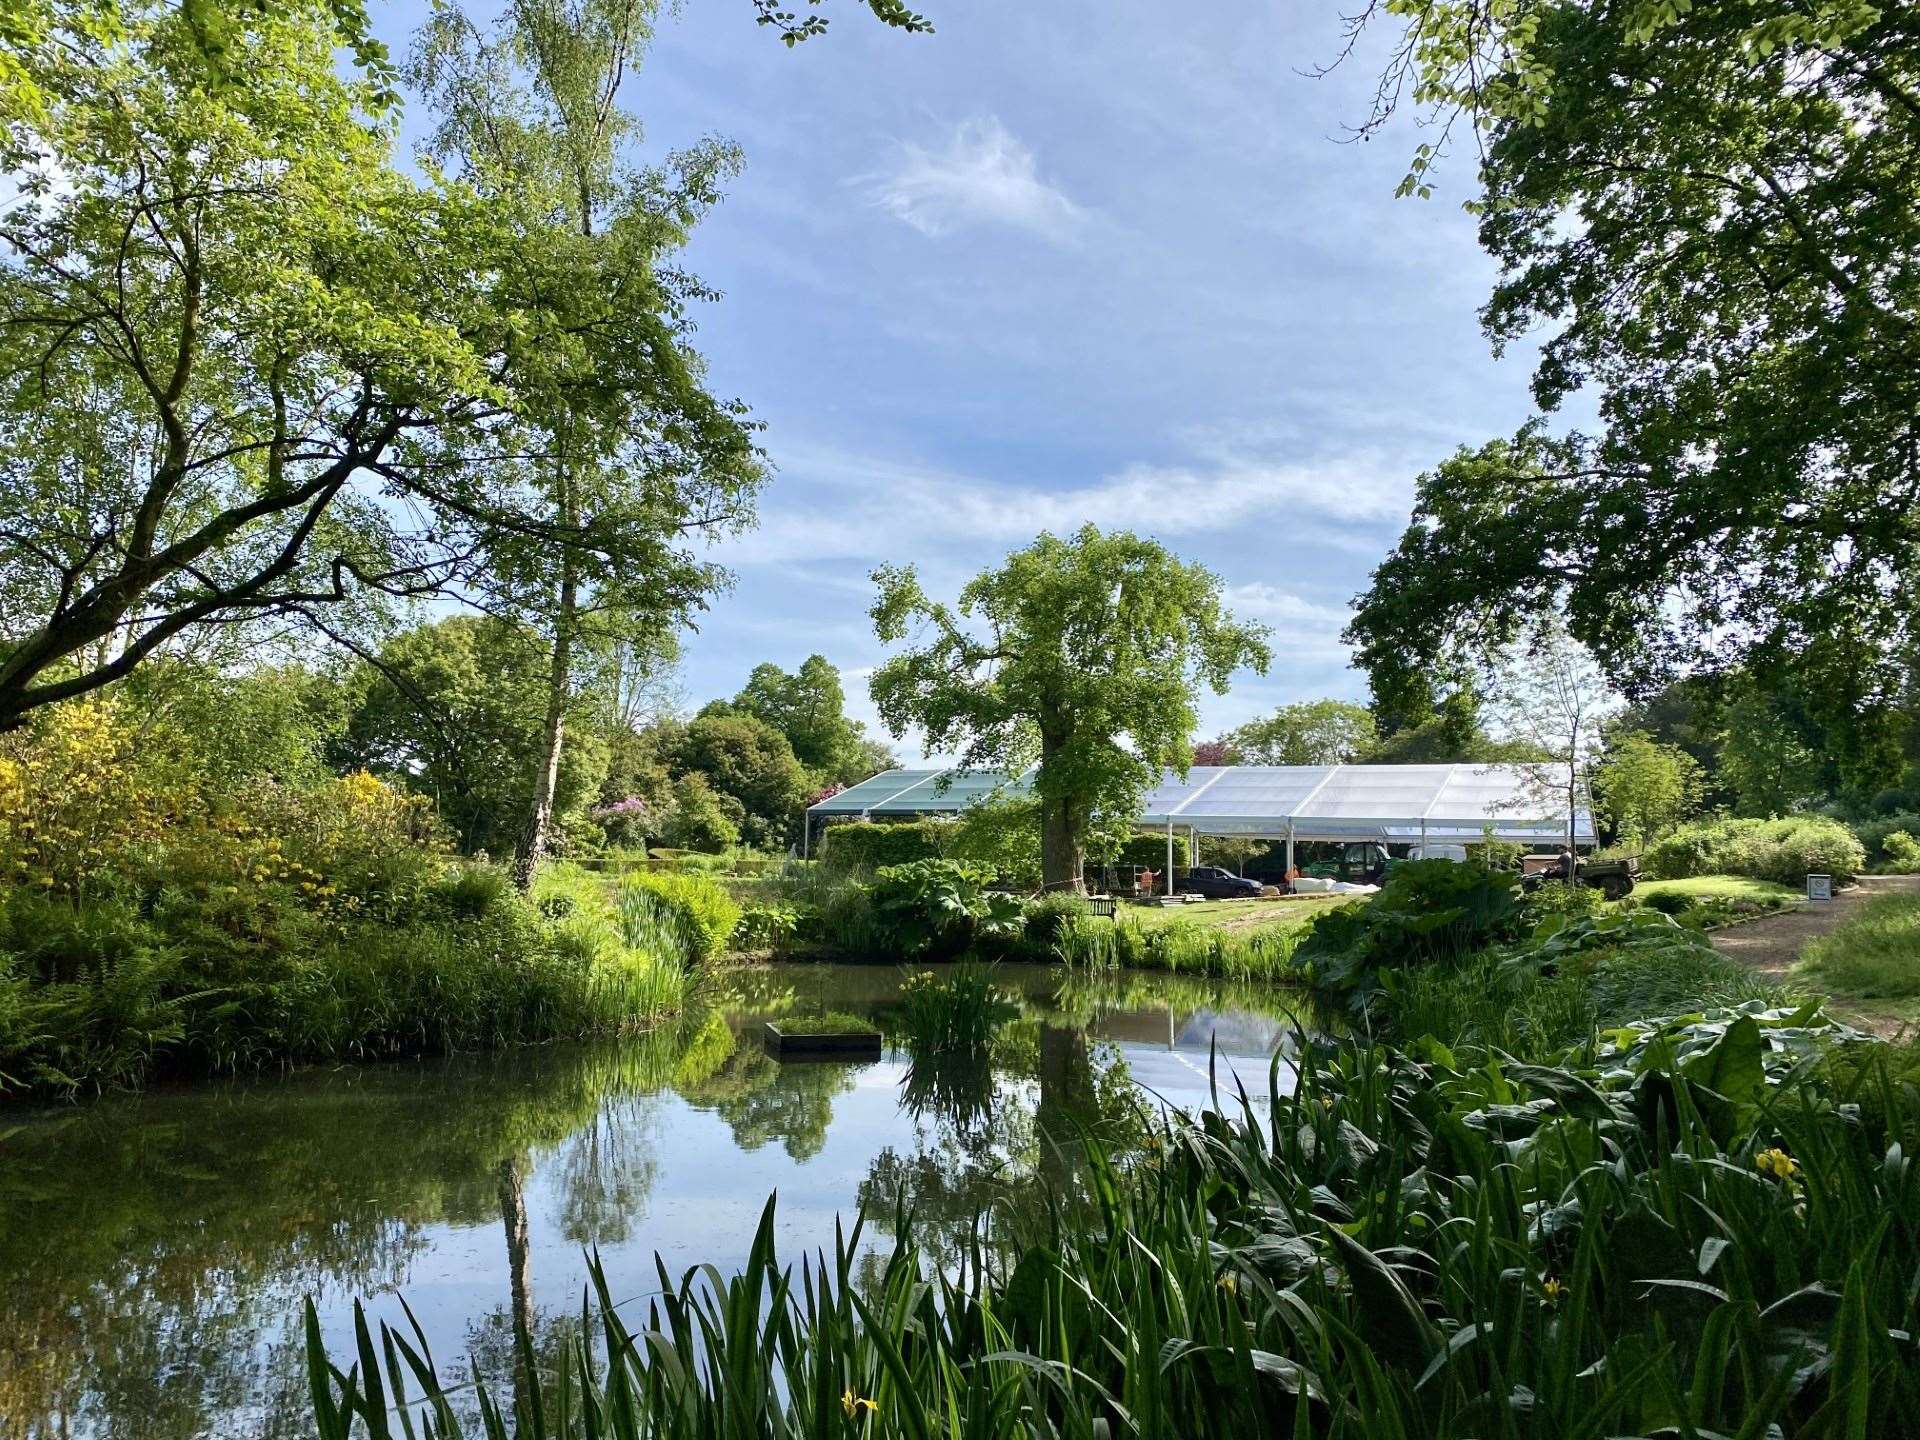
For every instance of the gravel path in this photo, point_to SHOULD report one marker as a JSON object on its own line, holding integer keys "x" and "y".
{"x": 1772, "y": 944}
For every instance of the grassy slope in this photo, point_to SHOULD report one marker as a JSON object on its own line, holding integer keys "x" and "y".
{"x": 1235, "y": 914}
{"x": 1733, "y": 887}
{"x": 1871, "y": 964}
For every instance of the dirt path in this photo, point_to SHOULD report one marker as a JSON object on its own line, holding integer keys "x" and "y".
{"x": 1771, "y": 945}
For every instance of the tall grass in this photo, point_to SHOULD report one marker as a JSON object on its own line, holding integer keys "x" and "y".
{"x": 100, "y": 994}
{"x": 952, "y": 1015}
{"x": 1714, "y": 1246}
{"x": 1091, "y": 942}
{"x": 1873, "y": 956}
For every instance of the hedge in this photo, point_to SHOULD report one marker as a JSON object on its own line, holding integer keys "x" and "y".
{"x": 1785, "y": 851}
{"x": 1150, "y": 852}
{"x": 867, "y": 845}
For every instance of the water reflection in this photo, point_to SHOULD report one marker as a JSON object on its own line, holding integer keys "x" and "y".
{"x": 154, "y": 1251}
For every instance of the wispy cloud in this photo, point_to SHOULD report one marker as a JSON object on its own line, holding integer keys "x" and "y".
{"x": 982, "y": 175}
{"x": 861, "y": 506}
{"x": 1305, "y": 632}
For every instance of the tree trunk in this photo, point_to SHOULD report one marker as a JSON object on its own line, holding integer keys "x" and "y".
{"x": 546, "y": 779}
{"x": 1062, "y": 854}
{"x": 513, "y": 1218}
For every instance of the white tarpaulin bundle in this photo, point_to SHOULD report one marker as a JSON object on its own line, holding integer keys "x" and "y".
{"x": 1388, "y": 803}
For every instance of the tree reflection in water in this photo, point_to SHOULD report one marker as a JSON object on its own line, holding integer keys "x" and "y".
{"x": 154, "y": 1252}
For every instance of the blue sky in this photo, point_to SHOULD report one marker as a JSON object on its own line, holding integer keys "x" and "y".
{"x": 1061, "y": 262}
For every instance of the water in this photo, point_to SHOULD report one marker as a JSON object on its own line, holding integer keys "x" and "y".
{"x": 155, "y": 1251}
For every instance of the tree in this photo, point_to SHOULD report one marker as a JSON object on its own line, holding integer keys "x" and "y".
{"x": 1712, "y": 212}
{"x": 1549, "y": 693}
{"x": 531, "y": 111}
{"x": 1217, "y": 751}
{"x": 809, "y": 708}
{"x": 1764, "y": 760}
{"x": 1088, "y": 657}
{"x": 748, "y": 760}
{"x": 452, "y": 710}
{"x": 272, "y": 375}
{"x": 1644, "y": 788}
{"x": 1312, "y": 732}
{"x": 267, "y": 721}
{"x": 698, "y": 818}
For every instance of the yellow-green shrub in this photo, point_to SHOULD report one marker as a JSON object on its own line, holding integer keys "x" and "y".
{"x": 706, "y": 912}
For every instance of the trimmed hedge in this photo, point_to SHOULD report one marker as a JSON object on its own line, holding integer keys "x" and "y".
{"x": 1785, "y": 851}
{"x": 1150, "y": 851}
{"x": 869, "y": 844}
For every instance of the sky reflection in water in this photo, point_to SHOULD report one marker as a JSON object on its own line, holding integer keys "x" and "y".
{"x": 154, "y": 1251}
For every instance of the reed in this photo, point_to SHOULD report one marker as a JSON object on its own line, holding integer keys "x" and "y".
{"x": 1718, "y": 1238}
{"x": 1259, "y": 954}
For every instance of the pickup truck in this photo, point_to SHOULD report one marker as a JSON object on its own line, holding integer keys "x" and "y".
{"x": 1216, "y": 884}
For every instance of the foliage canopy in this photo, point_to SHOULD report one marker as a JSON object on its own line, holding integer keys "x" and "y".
{"x": 1087, "y": 656}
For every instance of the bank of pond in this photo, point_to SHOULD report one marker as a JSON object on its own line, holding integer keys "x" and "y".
{"x": 1455, "y": 1161}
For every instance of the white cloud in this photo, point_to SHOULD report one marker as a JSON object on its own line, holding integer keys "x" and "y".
{"x": 982, "y": 175}
{"x": 862, "y": 506}
{"x": 1306, "y": 633}
{"x": 1258, "y": 600}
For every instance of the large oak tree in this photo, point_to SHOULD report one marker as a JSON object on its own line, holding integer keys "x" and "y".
{"x": 1084, "y": 654}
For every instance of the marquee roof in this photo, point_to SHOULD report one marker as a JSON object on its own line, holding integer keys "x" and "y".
{"x": 1315, "y": 802}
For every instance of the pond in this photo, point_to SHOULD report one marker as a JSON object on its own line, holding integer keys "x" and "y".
{"x": 155, "y": 1251}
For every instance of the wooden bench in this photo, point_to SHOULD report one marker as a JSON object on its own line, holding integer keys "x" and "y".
{"x": 1103, "y": 905}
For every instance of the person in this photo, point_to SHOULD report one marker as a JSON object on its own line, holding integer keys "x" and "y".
{"x": 1146, "y": 882}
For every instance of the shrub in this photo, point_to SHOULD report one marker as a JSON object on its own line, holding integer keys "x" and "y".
{"x": 1562, "y": 898}
{"x": 1872, "y": 834}
{"x": 868, "y": 845}
{"x": 1150, "y": 851}
{"x": 1428, "y": 911}
{"x": 932, "y": 909}
{"x": 766, "y": 927}
{"x": 1003, "y": 834}
{"x": 1049, "y": 915}
{"x": 1785, "y": 851}
{"x": 469, "y": 891}
{"x": 96, "y": 994}
{"x": 698, "y": 913}
{"x": 1902, "y": 852}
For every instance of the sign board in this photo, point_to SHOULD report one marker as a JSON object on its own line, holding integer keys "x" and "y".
{"x": 1819, "y": 887}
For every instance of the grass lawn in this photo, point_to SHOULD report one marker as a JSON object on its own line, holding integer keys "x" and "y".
{"x": 1731, "y": 887}
{"x": 1239, "y": 915}
{"x": 1870, "y": 966}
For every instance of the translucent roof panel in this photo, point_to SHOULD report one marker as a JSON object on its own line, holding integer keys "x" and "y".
{"x": 1314, "y": 802}
{"x": 868, "y": 793}
{"x": 953, "y": 790}
{"x": 1240, "y": 792}
{"x": 1173, "y": 791}
{"x": 1382, "y": 793}
{"x": 1517, "y": 792}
